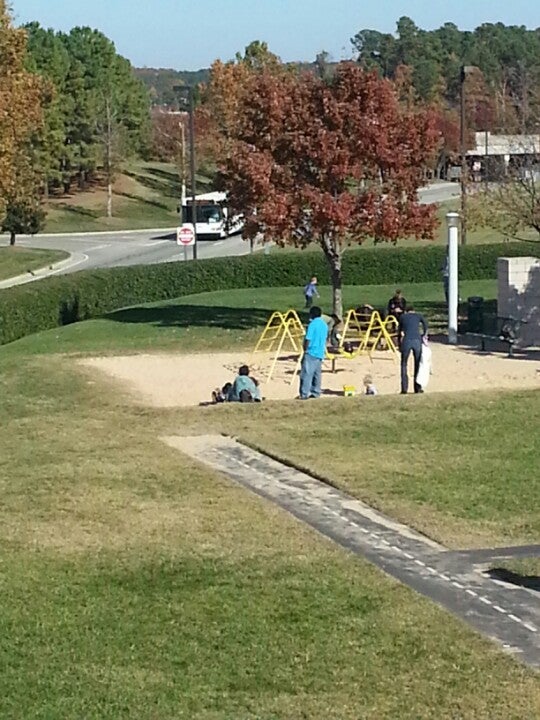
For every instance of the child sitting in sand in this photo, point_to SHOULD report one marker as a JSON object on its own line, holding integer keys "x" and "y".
{"x": 369, "y": 386}
{"x": 221, "y": 395}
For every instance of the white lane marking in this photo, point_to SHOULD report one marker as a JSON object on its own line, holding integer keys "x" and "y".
{"x": 471, "y": 592}
{"x": 98, "y": 247}
{"x": 113, "y": 233}
{"x": 155, "y": 242}
{"x": 500, "y": 609}
{"x": 530, "y": 627}
{"x": 458, "y": 585}
{"x": 484, "y": 600}
{"x": 419, "y": 562}
{"x": 515, "y": 619}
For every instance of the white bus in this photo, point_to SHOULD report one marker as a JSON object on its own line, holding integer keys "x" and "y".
{"x": 213, "y": 221}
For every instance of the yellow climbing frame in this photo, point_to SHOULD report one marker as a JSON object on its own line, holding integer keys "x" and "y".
{"x": 367, "y": 332}
{"x": 283, "y": 332}
{"x": 378, "y": 331}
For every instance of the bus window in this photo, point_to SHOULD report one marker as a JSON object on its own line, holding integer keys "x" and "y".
{"x": 209, "y": 214}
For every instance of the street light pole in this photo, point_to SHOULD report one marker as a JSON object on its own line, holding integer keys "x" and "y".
{"x": 463, "y": 177}
{"x": 465, "y": 70}
{"x": 192, "y": 159}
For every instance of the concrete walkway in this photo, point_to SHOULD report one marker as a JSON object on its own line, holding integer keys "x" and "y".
{"x": 508, "y": 614}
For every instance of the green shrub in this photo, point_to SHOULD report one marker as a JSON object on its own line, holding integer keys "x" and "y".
{"x": 66, "y": 299}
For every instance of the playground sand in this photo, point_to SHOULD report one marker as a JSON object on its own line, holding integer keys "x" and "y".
{"x": 177, "y": 380}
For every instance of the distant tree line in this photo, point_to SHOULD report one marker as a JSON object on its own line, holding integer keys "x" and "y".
{"x": 160, "y": 83}
{"x": 504, "y": 88}
{"x": 96, "y": 113}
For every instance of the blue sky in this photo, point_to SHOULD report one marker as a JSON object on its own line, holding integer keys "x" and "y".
{"x": 190, "y": 34}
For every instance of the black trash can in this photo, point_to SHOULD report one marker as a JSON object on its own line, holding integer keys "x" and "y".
{"x": 475, "y": 314}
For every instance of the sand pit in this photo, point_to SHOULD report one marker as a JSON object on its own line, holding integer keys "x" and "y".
{"x": 177, "y": 380}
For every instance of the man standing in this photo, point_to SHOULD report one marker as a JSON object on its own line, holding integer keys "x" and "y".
{"x": 445, "y": 270}
{"x": 314, "y": 352}
{"x": 412, "y": 329}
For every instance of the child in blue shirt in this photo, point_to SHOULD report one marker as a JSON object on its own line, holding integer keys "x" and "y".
{"x": 310, "y": 290}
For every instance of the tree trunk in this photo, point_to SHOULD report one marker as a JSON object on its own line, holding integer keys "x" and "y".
{"x": 109, "y": 199}
{"x": 12, "y": 237}
{"x": 109, "y": 157}
{"x": 337, "y": 299}
{"x": 333, "y": 253}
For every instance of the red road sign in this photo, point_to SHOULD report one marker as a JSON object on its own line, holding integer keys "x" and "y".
{"x": 185, "y": 235}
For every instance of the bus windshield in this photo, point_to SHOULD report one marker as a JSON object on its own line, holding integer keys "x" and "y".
{"x": 209, "y": 214}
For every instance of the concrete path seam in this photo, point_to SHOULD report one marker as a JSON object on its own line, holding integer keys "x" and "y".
{"x": 421, "y": 563}
{"x": 510, "y": 618}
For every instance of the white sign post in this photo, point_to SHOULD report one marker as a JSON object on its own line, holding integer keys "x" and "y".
{"x": 452, "y": 218}
{"x": 185, "y": 237}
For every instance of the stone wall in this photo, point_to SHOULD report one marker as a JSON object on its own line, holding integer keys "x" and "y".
{"x": 519, "y": 295}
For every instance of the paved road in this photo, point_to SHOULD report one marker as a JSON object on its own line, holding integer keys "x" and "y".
{"x": 119, "y": 249}
{"x": 141, "y": 247}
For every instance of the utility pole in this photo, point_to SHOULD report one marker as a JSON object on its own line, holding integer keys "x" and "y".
{"x": 486, "y": 154}
{"x": 193, "y": 167}
{"x": 463, "y": 176}
{"x": 191, "y": 109}
{"x": 465, "y": 70}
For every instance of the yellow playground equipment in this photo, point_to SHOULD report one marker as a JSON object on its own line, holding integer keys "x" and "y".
{"x": 362, "y": 334}
{"x": 283, "y": 333}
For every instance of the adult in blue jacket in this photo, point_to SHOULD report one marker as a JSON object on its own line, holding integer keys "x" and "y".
{"x": 412, "y": 329}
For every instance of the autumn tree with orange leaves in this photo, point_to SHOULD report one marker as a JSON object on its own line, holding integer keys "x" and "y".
{"x": 329, "y": 162}
{"x": 20, "y": 118}
{"x": 224, "y": 95}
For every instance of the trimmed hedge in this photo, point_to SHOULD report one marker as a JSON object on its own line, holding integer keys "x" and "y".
{"x": 61, "y": 300}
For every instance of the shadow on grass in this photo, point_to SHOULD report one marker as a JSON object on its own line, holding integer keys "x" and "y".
{"x": 146, "y": 201}
{"x": 164, "y": 184}
{"x": 532, "y": 582}
{"x": 78, "y": 210}
{"x": 183, "y": 316}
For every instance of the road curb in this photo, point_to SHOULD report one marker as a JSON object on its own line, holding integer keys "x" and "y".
{"x": 39, "y": 274}
{"x": 98, "y": 233}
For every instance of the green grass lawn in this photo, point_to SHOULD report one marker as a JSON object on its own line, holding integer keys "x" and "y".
{"x": 135, "y": 583}
{"x": 458, "y": 468}
{"x": 17, "y": 261}
{"x": 222, "y": 320}
{"x": 146, "y": 195}
{"x": 527, "y": 567}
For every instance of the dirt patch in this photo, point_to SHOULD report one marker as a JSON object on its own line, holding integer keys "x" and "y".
{"x": 177, "y": 380}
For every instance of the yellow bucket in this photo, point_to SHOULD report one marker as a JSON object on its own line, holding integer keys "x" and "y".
{"x": 349, "y": 390}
